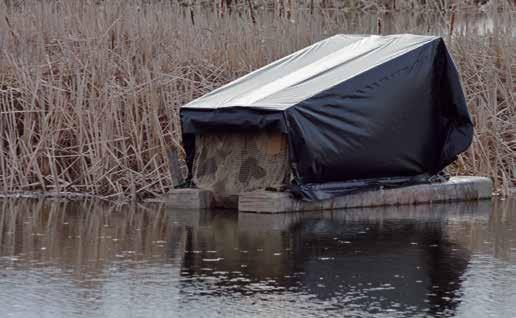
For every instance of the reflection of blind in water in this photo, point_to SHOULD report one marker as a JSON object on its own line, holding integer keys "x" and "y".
{"x": 228, "y": 164}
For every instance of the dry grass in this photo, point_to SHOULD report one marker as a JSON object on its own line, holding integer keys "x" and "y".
{"x": 89, "y": 93}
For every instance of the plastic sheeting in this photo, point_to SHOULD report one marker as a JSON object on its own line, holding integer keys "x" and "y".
{"x": 359, "y": 112}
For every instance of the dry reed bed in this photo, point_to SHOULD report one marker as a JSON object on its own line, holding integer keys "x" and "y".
{"x": 89, "y": 94}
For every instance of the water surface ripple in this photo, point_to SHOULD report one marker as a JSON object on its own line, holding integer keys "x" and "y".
{"x": 91, "y": 259}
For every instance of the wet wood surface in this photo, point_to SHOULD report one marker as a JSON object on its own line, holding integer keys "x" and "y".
{"x": 456, "y": 189}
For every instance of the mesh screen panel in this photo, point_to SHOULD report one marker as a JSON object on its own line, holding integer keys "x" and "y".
{"x": 231, "y": 163}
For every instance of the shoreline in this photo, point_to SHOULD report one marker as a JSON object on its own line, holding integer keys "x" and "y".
{"x": 72, "y": 196}
{"x": 77, "y": 196}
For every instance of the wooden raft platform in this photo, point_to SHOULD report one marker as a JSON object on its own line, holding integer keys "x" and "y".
{"x": 456, "y": 189}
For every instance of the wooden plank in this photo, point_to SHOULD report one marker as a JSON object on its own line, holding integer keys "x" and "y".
{"x": 194, "y": 199}
{"x": 174, "y": 165}
{"x": 456, "y": 189}
{"x": 186, "y": 199}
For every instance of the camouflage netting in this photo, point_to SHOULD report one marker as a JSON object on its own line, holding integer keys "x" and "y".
{"x": 229, "y": 164}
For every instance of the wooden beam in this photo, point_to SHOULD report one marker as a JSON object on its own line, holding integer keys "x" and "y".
{"x": 456, "y": 189}
{"x": 186, "y": 199}
{"x": 174, "y": 165}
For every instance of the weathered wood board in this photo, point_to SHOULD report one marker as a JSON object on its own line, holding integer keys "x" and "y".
{"x": 456, "y": 189}
{"x": 174, "y": 165}
{"x": 186, "y": 199}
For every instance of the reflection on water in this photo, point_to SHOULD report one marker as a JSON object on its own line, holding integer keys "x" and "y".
{"x": 62, "y": 259}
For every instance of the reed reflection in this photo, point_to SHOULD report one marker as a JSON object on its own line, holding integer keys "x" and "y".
{"x": 411, "y": 259}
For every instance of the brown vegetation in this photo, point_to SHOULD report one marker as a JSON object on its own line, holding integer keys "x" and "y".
{"x": 89, "y": 94}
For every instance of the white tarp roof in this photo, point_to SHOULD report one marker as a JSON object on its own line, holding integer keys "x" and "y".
{"x": 309, "y": 71}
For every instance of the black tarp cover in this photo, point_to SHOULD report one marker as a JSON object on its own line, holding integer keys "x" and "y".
{"x": 359, "y": 112}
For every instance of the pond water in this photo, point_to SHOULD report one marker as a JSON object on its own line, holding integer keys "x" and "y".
{"x": 90, "y": 259}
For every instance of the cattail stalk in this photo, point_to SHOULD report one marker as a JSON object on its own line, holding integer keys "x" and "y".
{"x": 192, "y": 17}
{"x": 222, "y": 8}
{"x": 452, "y": 20}
{"x": 251, "y": 11}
